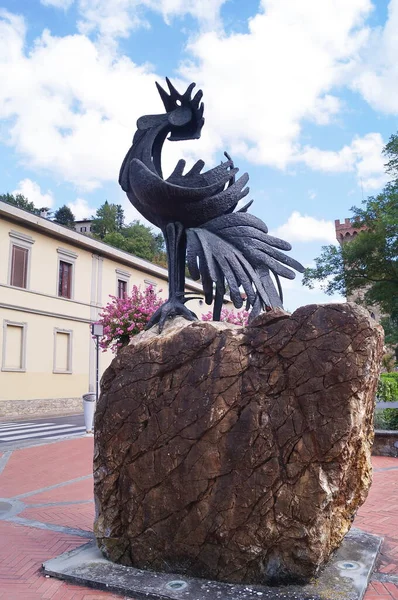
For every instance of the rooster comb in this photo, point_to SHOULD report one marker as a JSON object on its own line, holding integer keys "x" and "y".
{"x": 173, "y": 99}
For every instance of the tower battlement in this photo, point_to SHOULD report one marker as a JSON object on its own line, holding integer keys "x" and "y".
{"x": 346, "y": 231}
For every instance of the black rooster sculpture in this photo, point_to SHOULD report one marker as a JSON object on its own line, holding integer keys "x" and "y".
{"x": 195, "y": 213}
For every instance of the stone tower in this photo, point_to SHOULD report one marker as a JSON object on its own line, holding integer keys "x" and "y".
{"x": 346, "y": 232}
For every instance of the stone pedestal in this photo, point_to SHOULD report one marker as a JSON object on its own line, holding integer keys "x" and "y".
{"x": 237, "y": 454}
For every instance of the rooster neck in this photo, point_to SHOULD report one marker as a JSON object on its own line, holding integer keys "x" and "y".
{"x": 149, "y": 139}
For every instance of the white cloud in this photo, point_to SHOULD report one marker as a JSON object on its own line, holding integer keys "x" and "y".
{"x": 65, "y": 4}
{"x": 325, "y": 108}
{"x": 81, "y": 209}
{"x": 207, "y": 12}
{"x": 302, "y": 228}
{"x": 259, "y": 88}
{"x": 113, "y": 19}
{"x": 82, "y": 109}
{"x": 363, "y": 156}
{"x": 296, "y": 295}
{"x": 110, "y": 18}
{"x": 261, "y": 85}
{"x": 376, "y": 75}
{"x": 31, "y": 190}
{"x": 312, "y": 194}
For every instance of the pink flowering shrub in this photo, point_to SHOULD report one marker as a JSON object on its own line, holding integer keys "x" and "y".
{"x": 124, "y": 317}
{"x": 229, "y": 316}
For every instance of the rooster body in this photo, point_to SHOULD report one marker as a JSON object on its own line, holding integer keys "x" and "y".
{"x": 195, "y": 212}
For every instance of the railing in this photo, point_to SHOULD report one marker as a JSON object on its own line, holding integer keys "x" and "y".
{"x": 381, "y": 405}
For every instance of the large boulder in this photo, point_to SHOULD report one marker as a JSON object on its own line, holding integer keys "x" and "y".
{"x": 237, "y": 454}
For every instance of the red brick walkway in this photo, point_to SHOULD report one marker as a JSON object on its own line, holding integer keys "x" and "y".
{"x": 379, "y": 515}
{"x": 54, "y": 513}
{"x": 55, "y": 483}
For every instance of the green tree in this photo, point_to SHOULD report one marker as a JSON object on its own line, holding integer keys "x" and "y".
{"x": 370, "y": 261}
{"x": 135, "y": 238}
{"x": 390, "y": 326}
{"x": 20, "y": 201}
{"x": 142, "y": 241}
{"x": 116, "y": 240}
{"x": 390, "y": 151}
{"x": 119, "y": 217}
{"x": 105, "y": 221}
{"x": 64, "y": 216}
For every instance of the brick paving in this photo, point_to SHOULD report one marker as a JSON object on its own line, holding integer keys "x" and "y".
{"x": 82, "y": 490}
{"x": 379, "y": 515}
{"x": 52, "y": 488}
{"x": 40, "y": 476}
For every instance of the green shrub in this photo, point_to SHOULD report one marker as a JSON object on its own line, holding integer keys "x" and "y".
{"x": 386, "y": 419}
{"x": 393, "y": 376}
{"x": 387, "y": 389}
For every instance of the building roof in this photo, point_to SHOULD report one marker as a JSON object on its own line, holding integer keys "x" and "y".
{"x": 45, "y": 227}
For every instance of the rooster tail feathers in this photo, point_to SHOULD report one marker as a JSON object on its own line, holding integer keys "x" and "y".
{"x": 238, "y": 249}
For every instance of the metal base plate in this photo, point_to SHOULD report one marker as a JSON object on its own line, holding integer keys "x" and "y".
{"x": 345, "y": 577}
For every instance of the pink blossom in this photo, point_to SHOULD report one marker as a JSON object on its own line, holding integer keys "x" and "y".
{"x": 124, "y": 317}
{"x": 240, "y": 317}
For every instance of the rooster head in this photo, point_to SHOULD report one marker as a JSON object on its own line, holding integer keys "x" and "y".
{"x": 185, "y": 114}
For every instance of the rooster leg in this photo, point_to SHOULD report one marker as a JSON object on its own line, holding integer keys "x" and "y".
{"x": 176, "y": 244}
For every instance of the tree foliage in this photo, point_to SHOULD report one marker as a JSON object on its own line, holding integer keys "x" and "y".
{"x": 20, "y": 201}
{"x": 119, "y": 217}
{"x": 106, "y": 220}
{"x": 391, "y": 152}
{"x": 135, "y": 238}
{"x": 387, "y": 391}
{"x": 390, "y": 326}
{"x": 142, "y": 241}
{"x": 370, "y": 261}
{"x": 64, "y": 216}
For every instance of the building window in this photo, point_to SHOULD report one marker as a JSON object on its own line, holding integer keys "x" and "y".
{"x": 62, "y": 351}
{"x": 83, "y": 229}
{"x": 122, "y": 283}
{"x": 19, "y": 261}
{"x": 66, "y": 266}
{"x": 14, "y": 347}
{"x": 149, "y": 282}
{"x": 19, "y": 266}
{"x": 65, "y": 279}
{"x": 121, "y": 288}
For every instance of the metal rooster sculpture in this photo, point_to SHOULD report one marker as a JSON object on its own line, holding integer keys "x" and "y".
{"x": 196, "y": 214}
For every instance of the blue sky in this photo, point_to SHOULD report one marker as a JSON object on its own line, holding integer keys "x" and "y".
{"x": 302, "y": 93}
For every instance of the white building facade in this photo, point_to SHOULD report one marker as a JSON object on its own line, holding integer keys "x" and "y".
{"x": 53, "y": 284}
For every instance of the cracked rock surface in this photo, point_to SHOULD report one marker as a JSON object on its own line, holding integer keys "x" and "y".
{"x": 238, "y": 454}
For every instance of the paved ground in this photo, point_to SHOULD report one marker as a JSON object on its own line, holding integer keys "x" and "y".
{"x": 46, "y": 508}
{"x": 16, "y": 434}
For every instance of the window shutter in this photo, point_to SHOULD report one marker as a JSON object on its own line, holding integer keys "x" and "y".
{"x": 69, "y": 280}
{"x": 65, "y": 279}
{"x": 19, "y": 266}
{"x": 121, "y": 288}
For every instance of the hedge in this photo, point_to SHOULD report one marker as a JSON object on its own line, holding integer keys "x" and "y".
{"x": 387, "y": 391}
